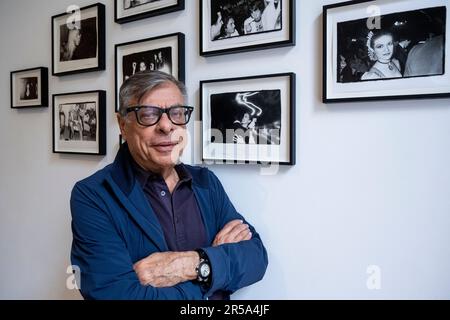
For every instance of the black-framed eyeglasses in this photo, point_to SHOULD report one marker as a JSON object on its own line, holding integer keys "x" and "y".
{"x": 150, "y": 115}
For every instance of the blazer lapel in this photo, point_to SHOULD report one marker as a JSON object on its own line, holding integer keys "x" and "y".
{"x": 132, "y": 197}
{"x": 141, "y": 212}
{"x": 204, "y": 203}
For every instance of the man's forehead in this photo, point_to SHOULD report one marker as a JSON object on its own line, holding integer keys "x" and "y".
{"x": 172, "y": 93}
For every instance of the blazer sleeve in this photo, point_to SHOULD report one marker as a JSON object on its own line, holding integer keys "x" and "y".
{"x": 106, "y": 269}
{"x": 234, "y": 265}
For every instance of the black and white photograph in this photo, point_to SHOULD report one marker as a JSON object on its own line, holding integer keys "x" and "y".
{"x": 249, "y": 119}
{"x": 160, "y": 59}
{"x": 132, "y": 10}
{"x": 164, "y": 53}
{"x": 382, "y": 54}
{"x": 237, "y": 18}
{"x": 253, "y": 117}
{"x": 229, "y": 26}
{"x": 29, "y": 88}
{"x": 78, "y": 40}
{"x": 129, "y": 4}
{"x": 79, "y": 123}
{"x": 77, "y": 43}
{"x": 385, "y": 49}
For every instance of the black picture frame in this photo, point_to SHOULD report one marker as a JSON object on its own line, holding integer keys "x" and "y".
{"x": 417, "y": 54}
{"x": 29, "y": 88}
{"x": 144, "y": 10}
{"x": 279, "y": 33}
{"x": 79, "y": 123}
{"x": 267, "y": 134}
{"x": 169, "y": 48}
{"x": 72, "y": 53}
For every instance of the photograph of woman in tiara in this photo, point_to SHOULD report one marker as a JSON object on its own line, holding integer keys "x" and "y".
{"x": 403, "y": 45}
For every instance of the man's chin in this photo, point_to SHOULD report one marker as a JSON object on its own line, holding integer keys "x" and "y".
{"x": 167, "y": 159}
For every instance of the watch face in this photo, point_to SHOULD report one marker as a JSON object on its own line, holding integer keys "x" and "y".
{"x": 204, "y": 270}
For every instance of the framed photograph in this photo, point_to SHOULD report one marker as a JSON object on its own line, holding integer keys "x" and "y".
{"x": 79, "y": 123}
{"x": 249, "y": 120}
{"x": 131, "y": 10}
{"x": 29, "y": 88}
{"x": 164, "y": 53}
{"x": 229, "y": 26}
{"x": 385, "y": 49}
{"x": 78, "y": 40}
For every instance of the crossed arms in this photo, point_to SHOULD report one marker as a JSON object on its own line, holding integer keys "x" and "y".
{"x": 101, "y": 251}
{"x": 167, "y": 269}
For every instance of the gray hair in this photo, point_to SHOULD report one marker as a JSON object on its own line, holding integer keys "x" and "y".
{"x": 135, "y": 87}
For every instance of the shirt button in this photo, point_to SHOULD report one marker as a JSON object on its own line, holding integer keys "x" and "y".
{"x": 163, "y": 193}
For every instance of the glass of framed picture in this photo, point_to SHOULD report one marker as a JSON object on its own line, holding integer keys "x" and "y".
{"x": 131, "y": 10}
{"x": 29, "y": 88}
{"x": 164, "y": 53}
{"x": 79, "y": 123}
{"x": 385, "y": 49}
{"x": 229, "y": 26}
{"x": 249, "y": 119}
{"x": 78, "y": 40}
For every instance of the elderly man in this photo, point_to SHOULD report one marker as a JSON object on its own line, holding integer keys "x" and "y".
{"x": 149, "y": 227}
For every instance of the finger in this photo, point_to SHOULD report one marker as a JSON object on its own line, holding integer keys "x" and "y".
{"x": 243, "y": 235}
{"x": 228, "y": 227}
{"x": 232, "y": 235}
{"x": 248, "y": 236}
{"x": 237, "y": 234}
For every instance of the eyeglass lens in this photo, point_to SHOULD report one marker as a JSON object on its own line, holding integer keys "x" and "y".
{"x": 148, "y": 116}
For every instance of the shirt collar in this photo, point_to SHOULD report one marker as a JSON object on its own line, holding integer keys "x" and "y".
{"x": 145, "y": 176}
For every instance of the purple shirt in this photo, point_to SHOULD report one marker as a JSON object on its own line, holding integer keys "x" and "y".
{"x": 178, "y": 213}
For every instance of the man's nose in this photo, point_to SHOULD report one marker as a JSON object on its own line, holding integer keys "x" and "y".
{"x": 164, "y": 124}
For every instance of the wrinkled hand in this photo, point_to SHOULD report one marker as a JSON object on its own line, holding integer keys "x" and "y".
{"x": 234, "y": 231}
{"x": 167, "y": 269}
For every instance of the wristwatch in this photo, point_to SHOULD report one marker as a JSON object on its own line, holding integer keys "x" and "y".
{"x": 203, "y": 269}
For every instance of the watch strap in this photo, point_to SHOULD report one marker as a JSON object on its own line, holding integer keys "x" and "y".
{"x": 203, "y": 259}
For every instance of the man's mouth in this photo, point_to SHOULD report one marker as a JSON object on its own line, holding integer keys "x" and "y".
{"x": 164, "y": 146}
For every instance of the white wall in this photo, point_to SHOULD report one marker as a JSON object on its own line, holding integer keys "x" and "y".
{"x": 371, "y": 184}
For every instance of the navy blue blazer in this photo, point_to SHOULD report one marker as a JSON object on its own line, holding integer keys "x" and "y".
{"x": 114, "y": 226}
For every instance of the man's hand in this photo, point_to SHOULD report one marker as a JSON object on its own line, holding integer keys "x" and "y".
{"x": 167, "y": 269}
{"x": 247, "y": 24}
{"x": 215, "y": 28}
{"x": 234, "y": 231}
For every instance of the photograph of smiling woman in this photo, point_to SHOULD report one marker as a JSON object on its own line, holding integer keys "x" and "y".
{"x": 404, "y": 44}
